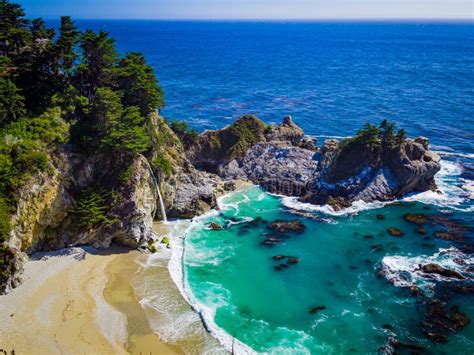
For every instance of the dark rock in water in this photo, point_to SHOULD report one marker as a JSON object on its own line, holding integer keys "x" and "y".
{"x": 368, "y": 261}
{"x": 215, "y": 226}
{"x": 393, "y": 345}
{"x": 428, "y": 245}
{"x": 287, "y": 226}
{"x": 271, "y": 241}
{"x": 448, "y": 236}
{"x": 377, "y": 247}
{"x": 380, "y": 217}
{"x": 352, "y": 267}
{"x": 278, "y": 268}
{"x": 279, "y": 257}
{"x": 441, "y": 270}
{"x": 316, "y": 309}
{"x": 395, "y": 232}
{"x": 369, "y": 236}
{"x": 463, "y": 289}
{"x": 421, "y": 230}
{"x": 387, "y": 326}
{"x": 416, "y": 218}
{"x": 440, "y": 320}
{"x": 293, "y": 260}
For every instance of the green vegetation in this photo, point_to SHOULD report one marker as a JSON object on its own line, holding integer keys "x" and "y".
{"x": 186, "y": 135}
{"x": 93, "y": 206}
{"x": 69, "y": 89}
{"x": 163, "y": 164}
{"x": 382, "y": 136}
{"x": 233, "y": 141}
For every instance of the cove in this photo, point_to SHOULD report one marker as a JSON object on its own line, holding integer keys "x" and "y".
{"x": 333, "y": 299}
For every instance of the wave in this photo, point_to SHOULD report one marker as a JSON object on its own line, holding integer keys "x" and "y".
{"x": 178, "y": 274}
{"x": 356, "y": 207}
{"x": 454, "y": 154}
{"x": 405, "y": 271}
{"x": 454, "y": 192}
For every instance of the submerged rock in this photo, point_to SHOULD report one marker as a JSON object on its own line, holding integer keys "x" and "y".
{"x": 380, "y": 217}
{"x": 283, "y": 226}
{"x": 440, "y": 320}
{"x": 395, "y": 232}
{"x": 316, "y": 309}
{"x": 421, "y": 230}
{"x": 416, "y": 218}
{"x": 215, "y": 226}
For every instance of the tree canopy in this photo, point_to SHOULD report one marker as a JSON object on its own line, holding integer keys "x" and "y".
{"x": 66, "y": 87}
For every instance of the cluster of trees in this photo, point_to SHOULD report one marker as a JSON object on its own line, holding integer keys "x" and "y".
{"x": 66, "y": 87}
{"x": 383, "y": 137}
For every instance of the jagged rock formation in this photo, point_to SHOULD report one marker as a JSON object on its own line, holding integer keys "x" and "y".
{"x": 283, "y": 161}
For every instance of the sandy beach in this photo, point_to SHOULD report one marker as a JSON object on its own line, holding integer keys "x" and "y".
{"x": 78, "y": 301}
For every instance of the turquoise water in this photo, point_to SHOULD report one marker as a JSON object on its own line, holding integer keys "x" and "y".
{"x": 232, "y": 279}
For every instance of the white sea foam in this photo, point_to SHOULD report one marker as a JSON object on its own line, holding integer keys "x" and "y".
{"x": 357, "y": 206}
{"x": 453, "y": 192}
{"x": 454, "y": 154}
{"x": 405, "y": 271}
{"x": 178, "y": 274}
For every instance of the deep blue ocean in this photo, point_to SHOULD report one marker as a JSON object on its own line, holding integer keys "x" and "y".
{"x": 332, "y": 78}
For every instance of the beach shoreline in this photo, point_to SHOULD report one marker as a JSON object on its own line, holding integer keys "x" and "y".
{"x": 78, "y": 300}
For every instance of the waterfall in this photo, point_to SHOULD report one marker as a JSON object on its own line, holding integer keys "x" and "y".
{"x": 162, "y": 204}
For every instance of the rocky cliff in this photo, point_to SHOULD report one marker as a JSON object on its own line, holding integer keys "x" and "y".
{"x": 100, "y": 199}
{"x": 282, "y": 160}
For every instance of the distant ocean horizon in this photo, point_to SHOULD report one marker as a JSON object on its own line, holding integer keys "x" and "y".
{"x": 212, "y": 72}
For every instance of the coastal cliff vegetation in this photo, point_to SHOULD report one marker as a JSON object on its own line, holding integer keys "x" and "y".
{"x": 69, "y": 91}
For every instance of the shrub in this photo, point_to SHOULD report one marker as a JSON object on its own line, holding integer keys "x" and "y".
{"x": 93, "y": 206}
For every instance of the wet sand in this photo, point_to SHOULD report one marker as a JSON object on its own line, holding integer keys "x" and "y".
{"x": 78, "y": 300}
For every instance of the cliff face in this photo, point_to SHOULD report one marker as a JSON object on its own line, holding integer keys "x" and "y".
{"x": 186, "y": 191}
{"x": 349, "y": 173}
{"x": 99, "y": 199}
{"x": 45, "y": 217}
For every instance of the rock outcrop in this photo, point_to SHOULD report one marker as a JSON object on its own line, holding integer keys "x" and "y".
{"x": 282, "y": 160}
{"x": 186, "y": 191}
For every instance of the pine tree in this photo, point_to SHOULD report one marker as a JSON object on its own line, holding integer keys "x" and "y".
{"x": 138, "y": 83}
{"x": 99, "y": 58}
{"x": 65, "y": 45}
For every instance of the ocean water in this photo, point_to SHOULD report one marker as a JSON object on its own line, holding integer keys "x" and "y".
{"x": 332, "y": 78}
{"x": 232, "y": 280}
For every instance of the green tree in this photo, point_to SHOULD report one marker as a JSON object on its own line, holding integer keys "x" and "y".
{"x": 13, "y": 28}
{"x": 99, "y": 58}
{"x": 128, "y": 132}
{"x": 138, "y": 83}
{"x": 12, "y": 105}
{"x": 368, "y": 135}
{"x": 401, "y": 136}
{"x": 65, "y": 45}
{"x": 387, "y": 133}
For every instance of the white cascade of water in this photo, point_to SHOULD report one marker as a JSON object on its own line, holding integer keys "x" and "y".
{"x": 162, "y": 204}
